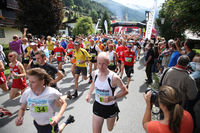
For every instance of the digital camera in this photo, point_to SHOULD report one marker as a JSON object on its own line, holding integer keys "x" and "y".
{"x": 154, "y": 95}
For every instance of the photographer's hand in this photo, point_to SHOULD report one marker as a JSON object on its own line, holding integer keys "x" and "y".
{"x": 147, "y": 98}
{"x": 147, "y": 114}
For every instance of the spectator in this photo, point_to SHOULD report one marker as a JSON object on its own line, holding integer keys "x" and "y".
{"x": 2, "y": 56}
{"x": 149, "y": 60}
{"x": 188, "y": 46}
{"x": 16, "y": 44}
{"x": 176, "y": 120}
{"x": 174, "y": 56}
{"x": 179, "y": 78}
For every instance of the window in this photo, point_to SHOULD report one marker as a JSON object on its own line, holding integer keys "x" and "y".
{"x": 2, "y": 33}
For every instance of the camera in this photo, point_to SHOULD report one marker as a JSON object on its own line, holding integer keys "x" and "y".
{"x": 154, "y": 95}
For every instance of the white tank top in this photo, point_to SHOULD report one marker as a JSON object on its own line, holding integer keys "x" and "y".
{"x": 111, "y": 58}
{"x": 102, "y": 88}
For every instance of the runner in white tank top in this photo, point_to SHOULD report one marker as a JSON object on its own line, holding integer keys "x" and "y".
{"x": 105, "y": 105}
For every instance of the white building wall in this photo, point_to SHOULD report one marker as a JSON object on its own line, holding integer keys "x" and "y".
{"x": 9, "y": 32}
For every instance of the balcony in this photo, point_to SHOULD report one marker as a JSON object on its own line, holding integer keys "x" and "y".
{"x": 10, "y": 22}
{"x": 12, "y": 4}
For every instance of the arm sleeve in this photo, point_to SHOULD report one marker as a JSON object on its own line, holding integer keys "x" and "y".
{"x": 191, "y": 88}
{"x": 97, "y": 48}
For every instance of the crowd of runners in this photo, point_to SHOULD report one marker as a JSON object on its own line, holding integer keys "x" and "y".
{"x": 102, "y": 60}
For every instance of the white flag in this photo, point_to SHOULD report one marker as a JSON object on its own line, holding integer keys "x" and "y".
{"x": 96, "y": 27}
{"x": 150, "y": 22}
{"x": 106, "y": 26}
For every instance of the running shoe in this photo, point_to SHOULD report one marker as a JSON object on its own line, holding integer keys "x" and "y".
{"x": 69, "y": 95}
{"x": 69, "y": 120}
{"x": 4, "y": 112}
{"x": 75, "y": 95}
{"x": 90, "y": 81}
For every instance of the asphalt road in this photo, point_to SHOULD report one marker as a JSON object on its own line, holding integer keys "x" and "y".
{"x": 132, "y": 107}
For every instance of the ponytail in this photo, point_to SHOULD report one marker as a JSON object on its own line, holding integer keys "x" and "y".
{"x": 176, "y": 115}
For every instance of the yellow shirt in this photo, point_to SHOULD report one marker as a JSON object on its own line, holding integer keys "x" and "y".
{"x": 50, "y": 45}
{"x": 81, "y": 55}
{"x": 87, "y": 44}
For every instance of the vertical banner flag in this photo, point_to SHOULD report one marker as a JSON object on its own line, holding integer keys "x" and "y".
{"x": 96, "y": 26}
{"x": 150, "y": 22}
{"x": 120, "y": 28}
{"x": 106, "y": 26}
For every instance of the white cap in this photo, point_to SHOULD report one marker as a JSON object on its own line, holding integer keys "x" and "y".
{"x": 33, "y": 43}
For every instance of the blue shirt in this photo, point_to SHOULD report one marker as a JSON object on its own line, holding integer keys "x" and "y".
{"x": 64, "y": 44}
{"x": 174, "y": 58}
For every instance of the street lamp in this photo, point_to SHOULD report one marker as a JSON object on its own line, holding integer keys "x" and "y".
{"x": 147, "y": 16}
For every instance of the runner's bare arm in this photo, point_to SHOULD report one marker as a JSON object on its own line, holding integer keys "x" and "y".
{"x": 91, "y": 90}
{"x": 116, "y": 57}
{"x": 22, "y": 71}
{"x": 117, "y": 82}
{"x": 59, "y": 77}
{"x": 19, "y": 119}
{"x": 24, "y": 35}
{"x": 57, "y": 117}
{"x": 2, "y": 68}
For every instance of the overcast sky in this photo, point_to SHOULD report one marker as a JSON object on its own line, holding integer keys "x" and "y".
{"x": 142, "y": 3}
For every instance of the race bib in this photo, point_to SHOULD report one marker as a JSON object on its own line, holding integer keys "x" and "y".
{"x": 15, "y": 77}
{"x": 128, "y": 59}
{"x": 58, "y": 54}
{"x": 27, "y": 58}
{"x": 121, "y": 52}
{"x": 40, "y": 109}
{"x": 50, "y": 51}
{"x": 101, "y": 94}
{"x": 70, "y": 50}
{"x": 111, "y": 63}
{"x": 38, "y": 105}
{"x": 93, "y": 54}
{"x": 77, "y": 61}
{"x": 35, "y": 62}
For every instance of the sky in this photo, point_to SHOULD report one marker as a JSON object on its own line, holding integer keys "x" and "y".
{"x": 143, "y": 3}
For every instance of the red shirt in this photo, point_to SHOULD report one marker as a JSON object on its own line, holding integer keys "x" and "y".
{"x": 120, "y": 51}
{"x": 19, "y": 83}
{"x": 81, "y": 45}
{"x": 185, "y": 127}
{"x": 60, "y": 52}
{"x": 128, "y": 58}
{"x": 70, "y": 48}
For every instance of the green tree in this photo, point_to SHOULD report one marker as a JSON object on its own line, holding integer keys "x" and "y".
{"x": 180, "y": 15}
{"x": 107, "y": 18}
{"x": 79, "y": 2}
{"x": 94, "y": 16}
{"x": 42, "y": 17}
{"x": 68, "y": 3}
{"x": 166, "y": 29}
{"x": 84, "y": 25}
{"x": 187, "y": 15}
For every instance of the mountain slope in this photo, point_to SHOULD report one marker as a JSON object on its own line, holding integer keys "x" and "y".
{"x": 120, "y": 10}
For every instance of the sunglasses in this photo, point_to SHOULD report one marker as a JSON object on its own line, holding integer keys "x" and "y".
{"x": 10, "y": 56}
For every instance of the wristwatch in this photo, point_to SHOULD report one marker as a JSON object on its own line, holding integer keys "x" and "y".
{"x": 115, "y": 98}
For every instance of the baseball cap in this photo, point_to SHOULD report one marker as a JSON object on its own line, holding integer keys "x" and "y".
{"x": 33, "y": 43}
{"x": 76, "y": 43}
{"x": 129, "y": 46}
